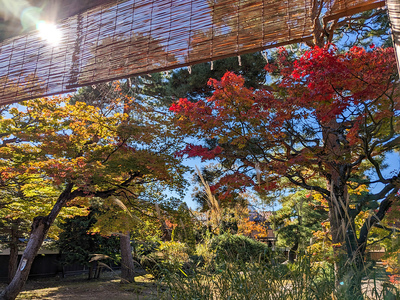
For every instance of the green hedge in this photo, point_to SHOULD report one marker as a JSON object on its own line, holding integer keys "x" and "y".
{"x": 239, "y": 248}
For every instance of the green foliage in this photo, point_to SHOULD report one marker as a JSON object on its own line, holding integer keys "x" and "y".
{"x": 168, "y": 257}
{"x": 231, "y": 248}
{"x": 302, "y": 280}
{"x": 299, "y": 218}
{"x": 78, "y": 245}
{"x": 173, "y": 254}
{"x": 146, "y": 246}
{"x": 205, "y": 252}
{"x": 185, "y": 229}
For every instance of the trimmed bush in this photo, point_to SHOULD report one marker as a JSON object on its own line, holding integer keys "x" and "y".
{"x": 238, "y": 248}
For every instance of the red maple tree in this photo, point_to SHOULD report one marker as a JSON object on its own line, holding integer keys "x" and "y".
{"x": 329, "y": 115}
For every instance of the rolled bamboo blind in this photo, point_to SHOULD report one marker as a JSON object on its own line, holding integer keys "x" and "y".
{"x": 133, "y": 37}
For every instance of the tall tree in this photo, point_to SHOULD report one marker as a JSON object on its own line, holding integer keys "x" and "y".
{"x": 330, "y": 115}
{"x": 143, "y": 89}
{"x": 86, "y": 151}
{"x": 297, "y": 220}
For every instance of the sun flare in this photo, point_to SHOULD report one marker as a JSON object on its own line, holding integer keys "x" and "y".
{"x": 49, "y": 32}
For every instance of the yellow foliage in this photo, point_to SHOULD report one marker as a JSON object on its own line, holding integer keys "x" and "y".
{"x": 252, "y": 229}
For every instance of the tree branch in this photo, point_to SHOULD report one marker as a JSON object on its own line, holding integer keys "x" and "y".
{"x": 372, "y": 220}
{"x": 391, "y": 229}
{"x": 303, "y": 184}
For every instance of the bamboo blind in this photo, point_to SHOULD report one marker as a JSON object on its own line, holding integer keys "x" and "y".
{"x": 343, "y": 8}
{"x": 394, "y": 15}
{"x": 132, "y": 37}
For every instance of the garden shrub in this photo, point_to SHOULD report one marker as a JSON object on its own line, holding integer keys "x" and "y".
{"x": 144, "y": 248}
{"x": 169, "y": 257}
{"x": 238, "y": 248}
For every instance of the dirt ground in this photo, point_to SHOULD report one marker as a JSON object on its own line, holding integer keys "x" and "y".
{"x": 78, "y": 287}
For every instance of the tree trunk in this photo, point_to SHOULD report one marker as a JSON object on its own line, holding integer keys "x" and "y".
{"x": 99, "y": 269}
{"x": 13, "y": 259}
{"x": 40, "y": 227}
{"x": 127, "y": 263}
{"x": 347, "y": 255}
{"x": 293, "y": 252}
{"x": 39, "y": 231}
{"x": 92, "y": 270}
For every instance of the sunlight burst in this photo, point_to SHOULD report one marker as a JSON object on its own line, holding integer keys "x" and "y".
{"x": 49, "y": 32}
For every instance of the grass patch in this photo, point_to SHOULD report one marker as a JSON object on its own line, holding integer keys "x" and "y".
{"x": 302, "y": 280}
